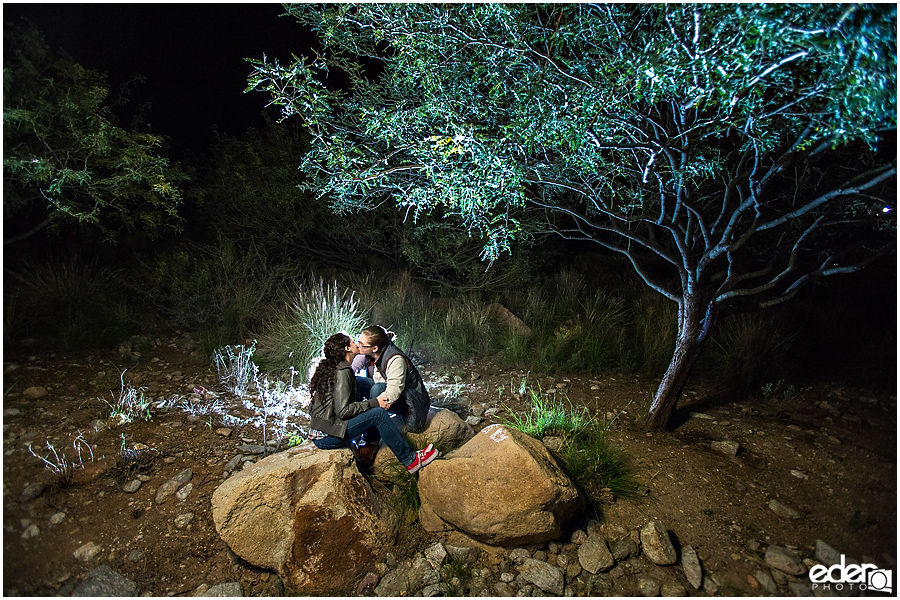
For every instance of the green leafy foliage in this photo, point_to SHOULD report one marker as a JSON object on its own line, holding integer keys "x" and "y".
{"x": 64, "y": 155}
{"x": 727, "y": 151}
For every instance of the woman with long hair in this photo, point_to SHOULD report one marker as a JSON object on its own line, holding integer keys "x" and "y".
{"x": 337, "y": 415}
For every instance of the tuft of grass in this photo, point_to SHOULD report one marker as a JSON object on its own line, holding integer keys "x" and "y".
{"x": 317, "y": 310}
{"x": 61, "y": 464}
{"x": 548, "y": 415}
{"x": 131, "y": 404}
{"x": 597, "y": 466}
{"x": 235, "y": 367}
{"x": 600, "y": 468}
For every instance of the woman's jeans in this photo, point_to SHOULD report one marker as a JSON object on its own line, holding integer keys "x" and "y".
{"x": 369, "y": 389}
{"x": 373, "y": 418}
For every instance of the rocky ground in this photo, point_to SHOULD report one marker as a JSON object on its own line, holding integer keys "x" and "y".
{"x": 816, "y": 462}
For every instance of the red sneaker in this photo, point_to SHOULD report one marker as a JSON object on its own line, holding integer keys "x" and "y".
{"x": 423, "y": 457}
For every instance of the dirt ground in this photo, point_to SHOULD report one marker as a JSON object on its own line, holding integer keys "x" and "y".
{"x": 826, "y": 451}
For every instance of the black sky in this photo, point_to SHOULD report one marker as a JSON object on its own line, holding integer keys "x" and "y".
{"x": 191, "y": 54}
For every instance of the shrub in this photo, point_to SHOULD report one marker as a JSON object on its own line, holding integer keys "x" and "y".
{"x": 295, "y": 337}
{"x": 222, "y": 291}
{"x": 747, "y": 350}
{"x": 68, "y": 304}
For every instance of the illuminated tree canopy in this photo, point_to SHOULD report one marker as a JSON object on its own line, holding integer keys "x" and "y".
{"x": 64, "y": 156}
{"x": 728, "y": 150}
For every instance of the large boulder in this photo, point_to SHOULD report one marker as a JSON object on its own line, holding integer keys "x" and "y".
{"x": 443, "y": 428}
{"x": 305, "y": 513}
{"x": 502, "y": 488}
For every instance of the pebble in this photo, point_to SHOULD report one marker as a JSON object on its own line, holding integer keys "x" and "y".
{"x": 185, "y": 491}
{"x": 87, "y": 552}
{"x": 783, "y": 510}
{"x": 57, "y": 518}
{"x": 181, "y": 521}
{"x": 132, "y": 486}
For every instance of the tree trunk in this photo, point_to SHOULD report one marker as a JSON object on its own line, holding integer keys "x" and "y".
{"x": 693, "y": 330}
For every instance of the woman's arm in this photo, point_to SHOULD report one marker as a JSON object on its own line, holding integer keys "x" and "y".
{"x": 395, "y": 379}
{"x": 345, "y": 406}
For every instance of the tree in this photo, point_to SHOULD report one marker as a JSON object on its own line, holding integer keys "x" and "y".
{"x": 64, "y": 156}
{"x": 728, "y": 150}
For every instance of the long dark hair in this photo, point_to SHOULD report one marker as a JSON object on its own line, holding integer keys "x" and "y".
{"x": 322, "y": 380}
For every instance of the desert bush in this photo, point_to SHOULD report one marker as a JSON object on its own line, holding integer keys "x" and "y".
{"x": 294, "y": 337}
{"x": 650, "y": 334}
{"x": 235, "y": 367}
{"x": 748, "y": 349}
{"x": 68, "y": 304}
{"x": 223, "y": 291}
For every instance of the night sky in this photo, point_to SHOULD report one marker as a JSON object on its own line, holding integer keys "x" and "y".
{"x": 191, "y": 54}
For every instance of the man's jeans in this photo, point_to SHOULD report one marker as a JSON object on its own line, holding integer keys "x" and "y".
{"x": 360, "y": 424}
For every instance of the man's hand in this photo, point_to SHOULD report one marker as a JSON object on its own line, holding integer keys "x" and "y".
{"x": 383, "y": 402}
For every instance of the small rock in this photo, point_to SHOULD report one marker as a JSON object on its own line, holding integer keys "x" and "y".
{"x": 368, "y": 584}
{"x": 553, "y": 443}
{"x": 473, "y": 421}
{"x": 184, "y": 492}
{"x": 785, "y": 561}
{"x": 31, "y": 492}
{"x": 491, "y": 412}
{"x": 200, "y": 591}
{"x": 545, "y": 576}
{"x": 223, "y": 431}
{"x": 168, "y": 489}
{"x": 436, "y": 555}
{"x": 673, "y": 589}
{"x": 518, "y": 555}
{"x": 697, "y": 415}
{"x": 766, "y": 581}
{"x": 11, "y": 412}
{"x": 57, "y": 518}
{"x": 782, "y": 510}
{"x": 231, "y": 589}
{"x": 232, "y": 464}
{"x": 252, "y": 449}
{"x": 594, "y": 555}
{"x": 691, "y": 565}
{"x": 36, "y": 391}
{"x": 728, "y": 448}
{"x": 579, "y": 537}
{"x": 103, "y": 581}
{"x": 753, "y": 582}
{"x": 30, "y": 532}
{"x": 143, "y": 478}
{"x": 181, "y": 521}
{"x": 656, "y": 544}
{"x": 799, "y": 590}
{"x": 507, "y": 577}
{"x": 710, "y": 586}
{"x": 648, "y": 587}
{"x": 827, "y": 555}
{"x": 132, "y": 486}
{"x": 799, "y": 474}
{"x": 135, "y": 555}
{"x": 87, "y": 552}
{"x": 624, "y": 548}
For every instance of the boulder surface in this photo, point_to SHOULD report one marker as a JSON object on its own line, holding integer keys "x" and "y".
{"x": 305, "y": 513}
{"x": 502, "y": 488}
